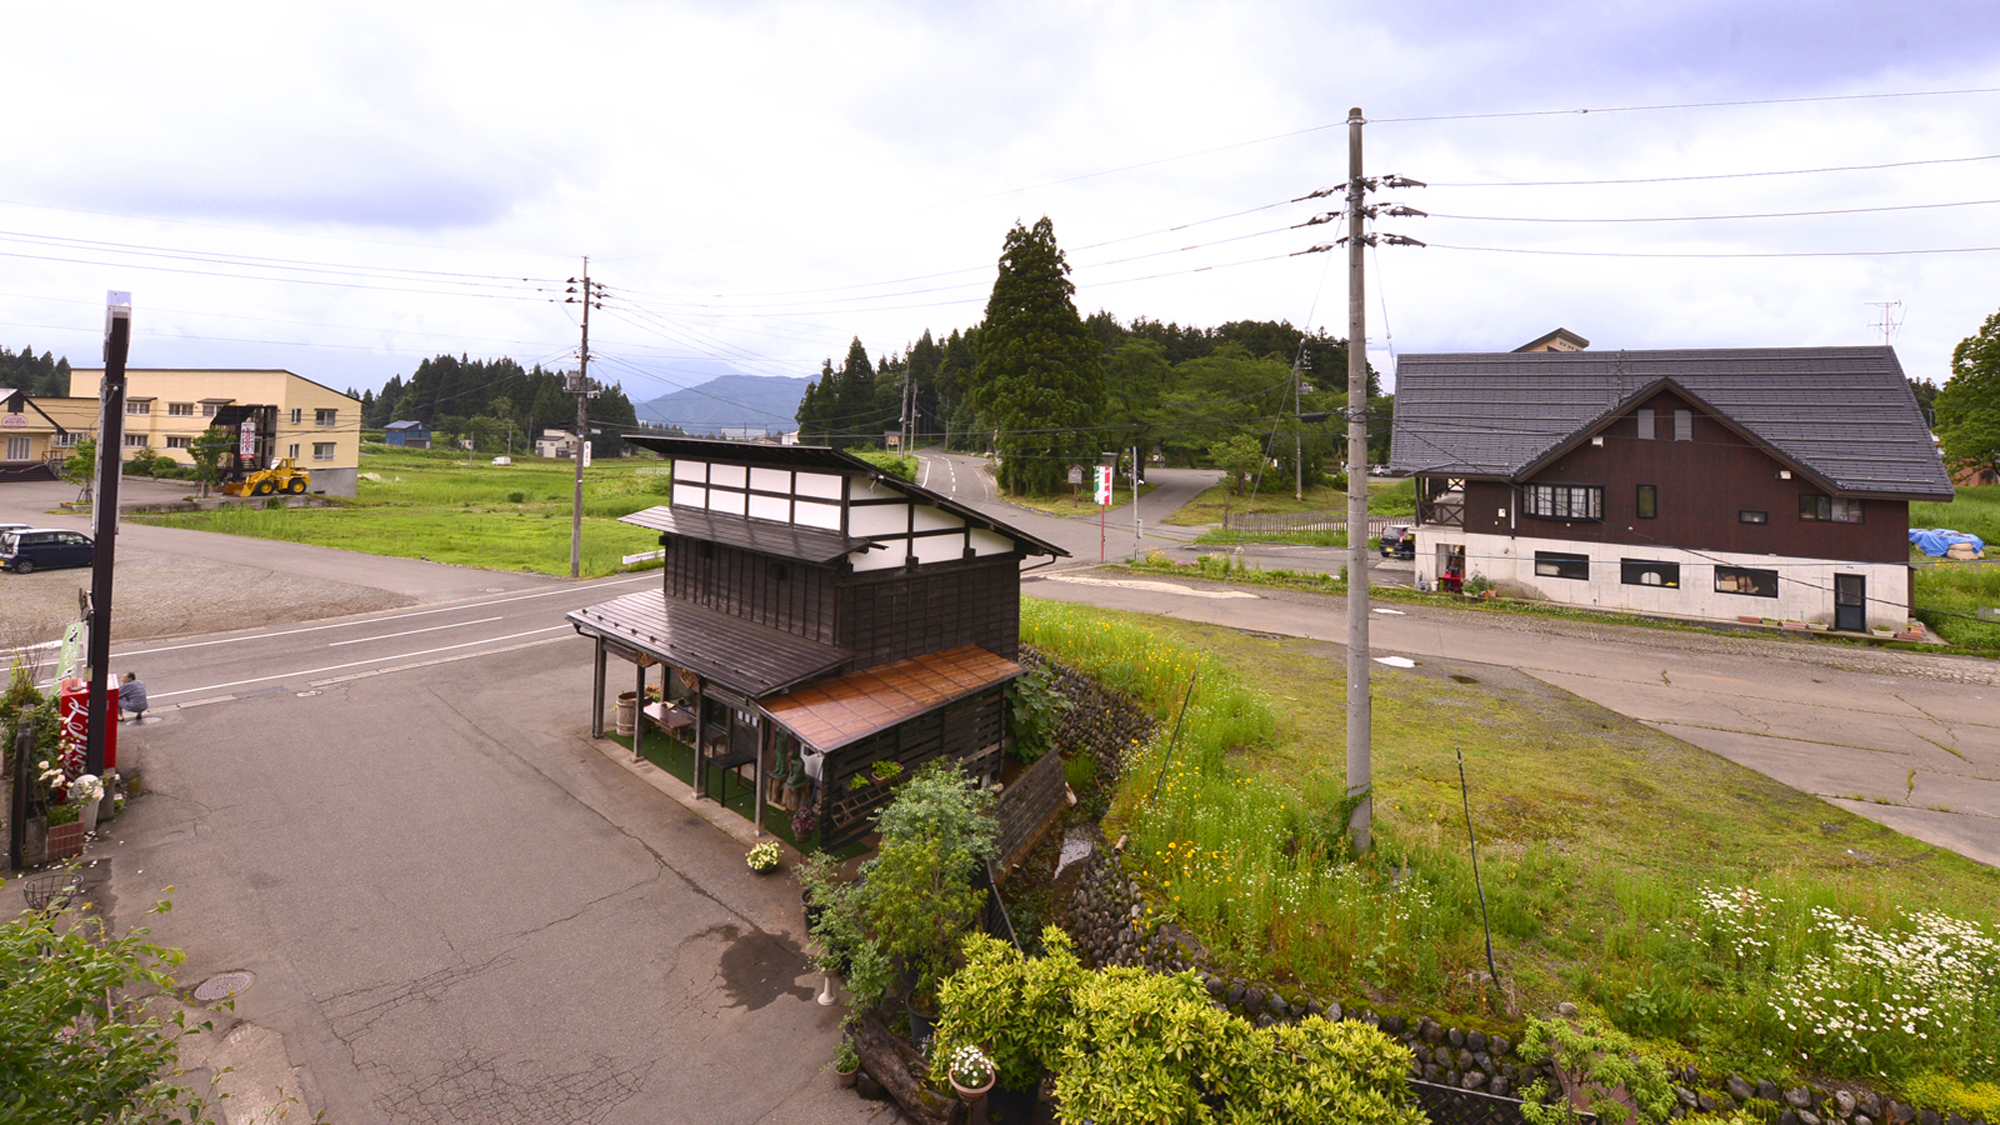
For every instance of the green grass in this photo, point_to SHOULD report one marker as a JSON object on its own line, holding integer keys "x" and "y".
{"x": 1975, "y": 512}
{"x": 1598, "y": 837}
{"x": 432, "y": 504}
{"x": 1082, "y": 505}
{"x": 1301, "y": 538}
{"x": 1385, "y": 498}
{"x": 1949, "y": 595}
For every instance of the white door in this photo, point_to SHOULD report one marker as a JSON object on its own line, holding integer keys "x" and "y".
{"x": 17, "y": 447}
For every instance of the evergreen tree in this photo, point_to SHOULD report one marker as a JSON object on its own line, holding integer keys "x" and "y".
{"x": 856, "y": 416}
{"x": 1040, "y": 377}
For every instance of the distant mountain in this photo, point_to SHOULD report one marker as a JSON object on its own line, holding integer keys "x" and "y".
{"x": 730, "y": 402}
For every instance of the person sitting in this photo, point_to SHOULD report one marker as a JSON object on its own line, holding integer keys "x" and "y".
{"x": 131, "y": 698}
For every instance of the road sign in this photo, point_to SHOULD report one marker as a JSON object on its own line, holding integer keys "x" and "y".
{"x": 1075, "y": 472}
{"x": 1104, "y": 484}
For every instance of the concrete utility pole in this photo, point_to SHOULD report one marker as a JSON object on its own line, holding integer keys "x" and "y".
{"x": 1361, "y": 825}
{"x": 104, "y": 520}
{"x": 580, "y": 387}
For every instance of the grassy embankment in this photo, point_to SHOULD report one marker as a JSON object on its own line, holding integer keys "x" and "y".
{"x": 1385, "y": 498}
{"x": 1663, "y": 886}
{"x": 1949, "y": 593}
{"x": 432, "y": 504}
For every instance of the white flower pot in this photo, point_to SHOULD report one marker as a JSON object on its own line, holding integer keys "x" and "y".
{"x": 87, "y": 815}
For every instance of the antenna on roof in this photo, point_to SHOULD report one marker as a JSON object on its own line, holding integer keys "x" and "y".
{"x": 1891, "y": 321}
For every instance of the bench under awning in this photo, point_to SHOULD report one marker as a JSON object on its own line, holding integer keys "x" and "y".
{"x": 754, "y": 660}
{"x": 828, "y": 714}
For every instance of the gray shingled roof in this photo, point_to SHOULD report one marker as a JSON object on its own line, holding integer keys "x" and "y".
{"x": 1845, "y": 414}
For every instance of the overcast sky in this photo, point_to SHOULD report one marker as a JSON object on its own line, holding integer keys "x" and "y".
{"x": 344, "y": 189}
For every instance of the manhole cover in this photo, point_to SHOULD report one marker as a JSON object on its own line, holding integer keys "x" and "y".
{"x": 223, "y": 985}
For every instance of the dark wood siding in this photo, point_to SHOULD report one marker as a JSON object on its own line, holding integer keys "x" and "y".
{"x": 798, "y": 598}
{"x": 896, "y": 614}
{"x": 1702, "y": 485}
{"x": 969, "y": 731}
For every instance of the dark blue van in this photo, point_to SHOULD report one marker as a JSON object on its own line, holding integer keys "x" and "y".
{"x": 29, "y": 549}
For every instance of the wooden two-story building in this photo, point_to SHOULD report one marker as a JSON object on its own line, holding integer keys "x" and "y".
{"x": 1722, "y": 484}
{"x": 816, "y": 608}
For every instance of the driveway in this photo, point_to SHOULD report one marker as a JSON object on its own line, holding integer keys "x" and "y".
{"x": 455, "y": 906}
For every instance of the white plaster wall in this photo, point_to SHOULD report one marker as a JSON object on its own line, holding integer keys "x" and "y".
{"x": 1805, "y": 586}
{"x": 878, "y": 519}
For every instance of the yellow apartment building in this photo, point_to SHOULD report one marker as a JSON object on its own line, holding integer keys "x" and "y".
{"x": 167, "y": 407}
{"x": 36, "y": 434}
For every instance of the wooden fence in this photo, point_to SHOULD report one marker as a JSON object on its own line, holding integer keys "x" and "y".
{"x": 1256, "y": 522}
{"x": 1027, "y": 810}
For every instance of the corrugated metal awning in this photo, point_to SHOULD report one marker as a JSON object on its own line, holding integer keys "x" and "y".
{"x": 752, "y": 659}
{"x": 828, "y": 714}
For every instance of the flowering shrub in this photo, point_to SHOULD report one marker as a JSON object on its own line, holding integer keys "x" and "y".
{"x": 763, "y": 857}
{"x": 970, "y": 1067}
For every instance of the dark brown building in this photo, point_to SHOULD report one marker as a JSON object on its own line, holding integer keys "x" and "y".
{"x": 1753, "y": 483}
{"x": 818, "y": 612}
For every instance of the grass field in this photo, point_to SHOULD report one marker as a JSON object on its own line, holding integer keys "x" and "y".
{"x": 1975, "y": 512}
{"x": 431, "y": 504}
{"x": 1681, "y": 895}
{"x": 1385, "y": 498}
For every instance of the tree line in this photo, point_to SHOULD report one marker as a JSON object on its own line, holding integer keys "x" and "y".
{"x": 495, "y": 403}
{"x": 44, "y": 377}
{"x": 1047, "y": 388}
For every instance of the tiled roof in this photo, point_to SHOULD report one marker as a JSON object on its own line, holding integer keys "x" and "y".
{"x": 767, "y": 537}
{"x": 1845, "y": 414}
{"x": 828, "y": 714}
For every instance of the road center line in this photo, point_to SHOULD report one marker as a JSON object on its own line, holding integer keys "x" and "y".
{"x": 412, "y": 632}
{"x": 392, "y": 617}
{"x": 353, "y": 663}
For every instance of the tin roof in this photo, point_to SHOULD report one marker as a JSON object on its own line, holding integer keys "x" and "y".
{"x": 784, "y": 540}
{"x": 828, "y": 714}
{"x": 753, "y": 659}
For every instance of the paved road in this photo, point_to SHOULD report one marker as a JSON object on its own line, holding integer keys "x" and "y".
{"x": 1909, "y": 740}
{"x": 456, "y": 907}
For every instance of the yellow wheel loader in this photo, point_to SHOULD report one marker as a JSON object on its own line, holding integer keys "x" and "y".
{"x": 282, "y": 476}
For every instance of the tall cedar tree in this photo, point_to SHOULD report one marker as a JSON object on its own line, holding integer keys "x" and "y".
{"x": 1040, "y": 376}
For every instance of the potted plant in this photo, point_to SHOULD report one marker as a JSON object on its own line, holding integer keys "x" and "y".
{"x": 85, "y": 794}
{"x": 971, "y": 1073}
{"x": 763, "y": 859}
{"x": 846, "y": 1063}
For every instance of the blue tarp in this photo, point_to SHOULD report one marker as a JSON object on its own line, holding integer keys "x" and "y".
{"x": 1936, "y": 541}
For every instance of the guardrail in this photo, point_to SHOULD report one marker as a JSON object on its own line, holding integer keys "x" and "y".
{"x": 1303, "y": 521}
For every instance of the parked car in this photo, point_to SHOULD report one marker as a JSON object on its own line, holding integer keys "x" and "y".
{"x": 28, "y": 549}
{"x": 1400, "y": 541}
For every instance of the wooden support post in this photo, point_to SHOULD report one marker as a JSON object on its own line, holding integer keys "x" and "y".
{"x": 700, "y": 738}
{"x": 597, "y": 694}
{"x": 757, "y": 779}
{"x": 639, "y": 712}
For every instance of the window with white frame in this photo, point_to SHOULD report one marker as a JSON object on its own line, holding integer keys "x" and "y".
{"x": 1645, "y": 423}
{"x": 180, "y": 410}
{"x": 1565, "y": 501}
{"x": 18, "y": 447}
{"x": 178, "y": 441}
{"x": 65, "y": 440}
{"x": 138, "y": 441}
{"x": 298, "y": 415}
{"x": 208, "y": 409}
{"x": 326, "y": 417}
{"x": 1683, "y": 425}
{"x": 138, "y": 406}
{"x": 292, "y": 451}
{"x": 322, "y": 451}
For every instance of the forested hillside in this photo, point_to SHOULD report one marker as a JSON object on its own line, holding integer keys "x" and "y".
{"x": 487, "y": 400}
{"x": 1033, "y": 370}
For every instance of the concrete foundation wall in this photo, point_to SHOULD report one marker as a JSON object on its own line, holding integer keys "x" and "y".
{"x": 1805, "y": 586}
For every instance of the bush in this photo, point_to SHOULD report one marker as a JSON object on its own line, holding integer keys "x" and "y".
{"x": 1606, "y": 1067}
{"x": 1033, "y": 709}
{"x": 1128, "y": 1046}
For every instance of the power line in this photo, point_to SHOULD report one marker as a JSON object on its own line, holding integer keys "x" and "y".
{"x": 1718, "y": 218}
{"x": 1705, "y": 254}
{"x": 1720, "y": 175}
{"x": 1676, "y": 105}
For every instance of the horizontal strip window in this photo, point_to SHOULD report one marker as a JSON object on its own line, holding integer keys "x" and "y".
{"x": 1565, "y": 501}
{"x": 1745, "y": 581}
{"x": 1643, "y": 572}
{"x": 1748, "y": 515}
{"x": 1829, "y": 509}
{"x": 1556, "y": 564}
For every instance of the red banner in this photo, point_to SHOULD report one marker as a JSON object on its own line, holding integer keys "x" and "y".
{"x": 73, "y": 706}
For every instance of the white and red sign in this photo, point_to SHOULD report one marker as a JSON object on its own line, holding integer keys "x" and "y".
{"x": 1104, "y": 484}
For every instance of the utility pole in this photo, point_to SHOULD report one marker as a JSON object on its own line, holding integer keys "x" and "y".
{"x": 580, "y": 387}
{"x": 1361, "y": 823}
{"x": 104, "y": 520}
{"x": 1138, "y": 527}
{"x": 1299, "y": 430}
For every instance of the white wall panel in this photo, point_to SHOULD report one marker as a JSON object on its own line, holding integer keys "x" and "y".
{"x": 770, "y": 480}
{"x": 878, "y": 559}
{"x": 824, "y": 485}
{"x": 940, "y": 548}
{"x": 692, "y": 472}
{"x": 735, "y": 476}
{"x": 809, "y": 514}
{"x": 990, "y": 542}
{"x": 934, "y": 519}
{"x": 690, "y": 495}
{"x": 728, "y": 502}
{"x": 770, "y": 508}
{"x": 878, "y": 519}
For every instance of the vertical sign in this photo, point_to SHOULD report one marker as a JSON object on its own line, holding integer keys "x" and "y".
{"x": 1104, "y": 473}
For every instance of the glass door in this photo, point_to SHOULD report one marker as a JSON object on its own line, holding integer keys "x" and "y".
{"x": 1850, "y": 602}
